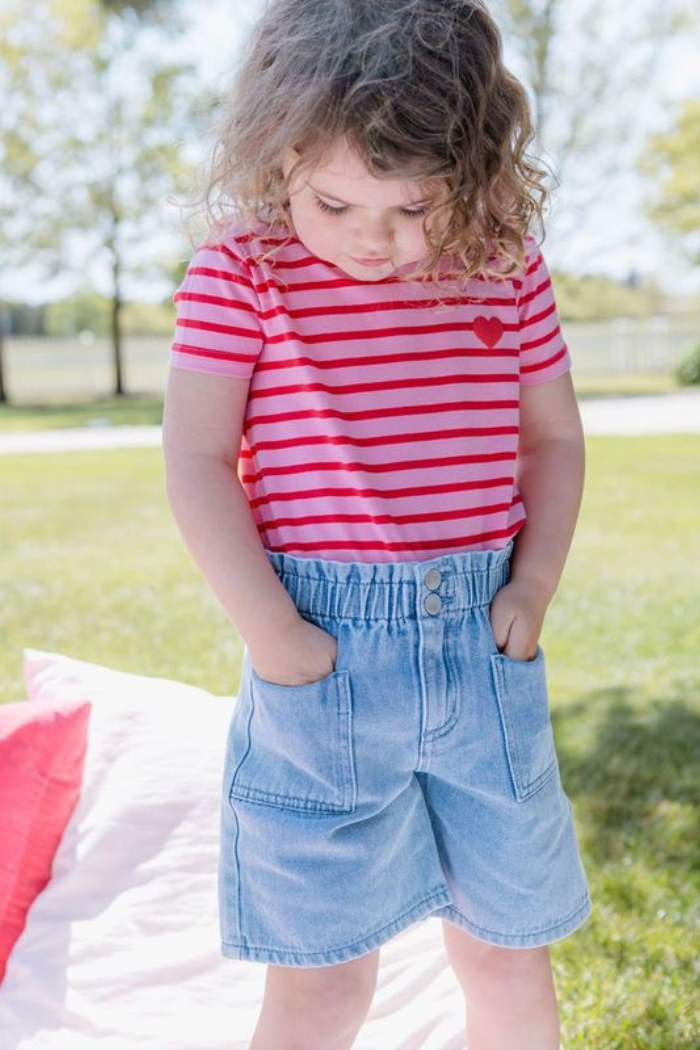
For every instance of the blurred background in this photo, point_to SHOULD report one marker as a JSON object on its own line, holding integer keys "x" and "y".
{"x": 104, "y": 130}
{"x": 106, "y": 121}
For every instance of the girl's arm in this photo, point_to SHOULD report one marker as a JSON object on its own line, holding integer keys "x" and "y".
{"x": 550, "y": 475}
{"x": 202, "y": 425}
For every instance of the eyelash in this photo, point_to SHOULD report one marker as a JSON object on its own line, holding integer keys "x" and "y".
{"x": 341, "y": 211}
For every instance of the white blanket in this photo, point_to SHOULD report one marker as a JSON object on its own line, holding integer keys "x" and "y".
{"x": 121, "y": 950}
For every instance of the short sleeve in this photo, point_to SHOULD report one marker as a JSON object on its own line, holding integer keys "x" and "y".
{"x": 543, "y": 353}
{"x": 217, "y": 327}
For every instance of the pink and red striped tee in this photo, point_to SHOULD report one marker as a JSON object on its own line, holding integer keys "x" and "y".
{"x": 380, "y": 426}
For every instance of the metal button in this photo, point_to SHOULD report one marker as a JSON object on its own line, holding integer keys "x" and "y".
{"x": 433, "y": 603}
{"x": 433, "y": 578}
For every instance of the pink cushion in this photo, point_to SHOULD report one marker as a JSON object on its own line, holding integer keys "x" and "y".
{"x": 42, "y": 750}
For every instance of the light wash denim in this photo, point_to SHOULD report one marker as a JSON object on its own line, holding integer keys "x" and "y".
{"x": 420, "y": 777}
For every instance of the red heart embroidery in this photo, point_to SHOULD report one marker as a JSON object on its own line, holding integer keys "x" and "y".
{"x": 488, "y": 329}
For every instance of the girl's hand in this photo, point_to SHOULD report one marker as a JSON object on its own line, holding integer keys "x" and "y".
{"x": 517, "y": 614}
{"x": 300, "y": 655}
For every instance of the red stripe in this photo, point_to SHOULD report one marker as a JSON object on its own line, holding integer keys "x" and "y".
{"x": 534, "y": 343}
{"x": 372, "y": 468}
{"x": 243, "y": 238}
{"x": 218, "y": 355}
{"x": 344, "y": 310}
{"x": 225, "y": 250}
{"x": 416, "y": 545}
{"x": 215, "y": 300}
{"x": 416, "y": 383}
{"x": 318, "y": 285}
{"x": 343, "y": 335}
{"x": 383, "y": 412}
{"x": 382, "y": 439}
{"x": 404, "y": 358}
{"x": 536, "y": 318}
{"x": 545, "y": 364}
{"x": 383, "y": 519}
{"x": 392, "y": 332}
{"x": 532, "y": 268}
{"x": 220, "y": 275}
{"x": 224, "y": 329}
{"x": 378, "y": 307}
{"x": 404, "y": 493}
{"x": 535, "y": 293}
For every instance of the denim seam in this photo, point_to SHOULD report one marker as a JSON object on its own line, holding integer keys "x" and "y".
{"x": 237, "y": 863}
{"x": 341, "y": 947}
{"x": 522, "y": 791}
{"x": 585, "y": 904}
{"x": 277, "y": 801}
{"x": 494, "y": 570}
{"x": 362, "y": 617}
{"x": 248, "y": 742}
{"x": 345, "y": 743}
{"x": 453, "y": 717}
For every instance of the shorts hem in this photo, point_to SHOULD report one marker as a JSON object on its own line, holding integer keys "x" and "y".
{"x": 536, "y": 939}
{"x": 295, "y": 957}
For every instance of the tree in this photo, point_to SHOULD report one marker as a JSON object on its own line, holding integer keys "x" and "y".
{"x": 30, "y": 220}
{"x": 116, "y": 103}
{"x": 673, "y": 161}
{"x": 590, "y": 68}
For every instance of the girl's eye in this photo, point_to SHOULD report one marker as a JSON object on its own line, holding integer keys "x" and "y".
{"x": 416, "y": 213}
{"x": 326, "y": 207}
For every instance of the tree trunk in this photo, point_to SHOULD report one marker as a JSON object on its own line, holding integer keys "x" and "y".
{"x": 4, "y": 399}
{"x": 117, "y": 328}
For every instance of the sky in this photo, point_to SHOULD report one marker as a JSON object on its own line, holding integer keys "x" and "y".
{"x": 613, "y": 237}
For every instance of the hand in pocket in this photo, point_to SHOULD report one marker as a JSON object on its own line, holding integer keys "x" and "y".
{"x": 300, "y": 655}
{"x": 517, "y": 614}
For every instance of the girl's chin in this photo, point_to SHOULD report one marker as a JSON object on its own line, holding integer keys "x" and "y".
{"x": 369, "y": 273}
{"x": 352, "y": 268}
{"x": 378, "y": 273}
{"x": 355, "y": 269}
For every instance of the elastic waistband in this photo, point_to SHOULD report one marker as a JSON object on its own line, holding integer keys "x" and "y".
{"x": 393, "y": 590}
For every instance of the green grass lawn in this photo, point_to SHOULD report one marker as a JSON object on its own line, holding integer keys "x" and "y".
{"x": 92, "y": 566}
{"x": 134, "y": 409}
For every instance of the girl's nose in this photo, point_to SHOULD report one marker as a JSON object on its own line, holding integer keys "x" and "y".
{"x": 374, "y": 235}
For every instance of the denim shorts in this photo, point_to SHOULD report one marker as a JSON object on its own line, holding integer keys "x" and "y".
{"x": 418, "y": 778}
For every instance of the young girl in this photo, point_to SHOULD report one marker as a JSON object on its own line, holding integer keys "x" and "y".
{"x": 374, "y": 455}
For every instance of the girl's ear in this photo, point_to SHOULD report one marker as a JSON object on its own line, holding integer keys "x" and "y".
{"x": 289, "y": 159}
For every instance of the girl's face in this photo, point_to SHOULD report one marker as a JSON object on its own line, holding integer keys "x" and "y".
{"x": 366, "y": 226}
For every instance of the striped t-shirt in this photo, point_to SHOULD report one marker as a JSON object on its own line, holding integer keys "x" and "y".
{"x": 379, "y": 425}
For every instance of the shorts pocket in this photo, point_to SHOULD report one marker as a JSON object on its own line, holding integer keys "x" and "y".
{"x": 298, "y": 753}
{"x": 523, "y": 705}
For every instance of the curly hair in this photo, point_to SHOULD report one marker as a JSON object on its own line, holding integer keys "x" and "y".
{"x": 416, "y": 88}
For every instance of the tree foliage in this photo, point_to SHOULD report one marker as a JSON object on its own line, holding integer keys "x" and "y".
{"x": 672, "y": 159}
{"x": 590, "y": 68}
{"x": 91, "y": 144}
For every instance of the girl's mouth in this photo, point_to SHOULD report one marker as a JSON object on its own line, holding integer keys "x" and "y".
{"x": 370, "y": 262}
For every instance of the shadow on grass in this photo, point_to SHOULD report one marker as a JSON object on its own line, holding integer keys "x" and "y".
{"x": 636, "y": 773}
{"x": 629, "y": 764}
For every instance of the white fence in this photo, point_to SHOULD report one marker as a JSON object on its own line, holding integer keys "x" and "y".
{"x": 653, "y": 344}
{"x": 58, "y": 369}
